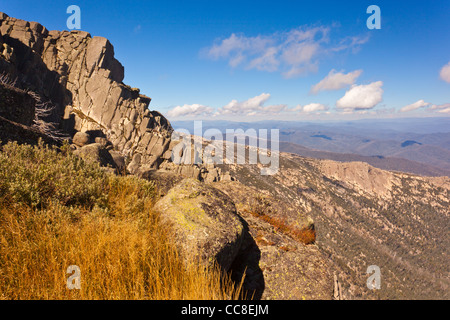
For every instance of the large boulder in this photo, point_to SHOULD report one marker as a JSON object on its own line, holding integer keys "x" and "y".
{"x": 81, "y": 139}
{"x": 119, "y": 160}
{"x": 205, "y": 222}
{"x": 96, "y": 152}
{"x": 163, "y": 180}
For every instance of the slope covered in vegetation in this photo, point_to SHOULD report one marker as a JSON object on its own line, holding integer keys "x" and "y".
{"x": 57, "y": 210}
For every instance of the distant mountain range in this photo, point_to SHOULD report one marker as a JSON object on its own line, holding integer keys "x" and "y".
{"x": 419, "y": 146}
{"x": 386, "y": 163}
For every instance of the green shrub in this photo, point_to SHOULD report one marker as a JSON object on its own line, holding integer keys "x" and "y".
{"x": 38, "y": 175}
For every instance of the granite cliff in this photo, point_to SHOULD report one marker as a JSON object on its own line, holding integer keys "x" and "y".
{"x": 80, "y": 81}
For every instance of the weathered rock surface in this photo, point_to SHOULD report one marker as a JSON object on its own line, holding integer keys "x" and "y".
{"x": 119, "y": 160}
{"x": 81, "y": 139}
{"x": 276, "y": 265}
{"x": 361, "y": 175}
{"x": 80, "y": 75}
{"x": 205, "y": 222}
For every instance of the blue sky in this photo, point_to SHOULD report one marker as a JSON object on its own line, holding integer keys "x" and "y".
{"x": 254, "y": 60}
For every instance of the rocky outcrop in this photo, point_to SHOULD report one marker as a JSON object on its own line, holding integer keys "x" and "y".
{"x": 361, "y": 175}
{"x": 80, "y": 76}
{"x": 98, "y": 153}
{"x": 204, "y": 220}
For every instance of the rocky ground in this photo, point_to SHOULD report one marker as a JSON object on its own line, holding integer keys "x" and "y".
{"x": 364, "y": 216}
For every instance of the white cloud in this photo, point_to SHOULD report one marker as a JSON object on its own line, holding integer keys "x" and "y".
{"x": 445, "y": 73}
{"x": 237, "y": 47}
{"x": 293, "y": 53}
{"x": 275, "y": 109}
{"x": 249, "y": 107}
{"x": 446, "y": 110}
{"x": 353, "y": 43}
{"x": 295, "y": 71}
{"x": 336, "y": 80}
{"x": 245, "y": 107}
{"x": 414, "y": 106}
{"x": 314, "y": 107}
{"x": 252, "y": 106}
{"x": 266, "y": 62}
{"x": 360, "y": 97}
{"x": 443, "y": 108}
{"x": 190, "y": 110}
{"x": 298, "y": 107}
{"x": 310, "y": 108}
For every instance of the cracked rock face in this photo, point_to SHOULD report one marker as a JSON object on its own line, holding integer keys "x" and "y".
{"x": 81, "y": 77}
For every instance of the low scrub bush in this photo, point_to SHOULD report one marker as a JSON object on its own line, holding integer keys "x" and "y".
{"x": 38, "y": 175}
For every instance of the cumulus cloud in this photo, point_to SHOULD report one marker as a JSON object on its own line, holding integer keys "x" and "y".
{"x": 310, "y": 108}
{"x": 446, "y": 110}
{"x": 274, "y": 109}
{"x": 360, "y": 97}
{"x": 445, "y": 73}
{"x": 190, "y": 110}
{"x": 298, "y": 107}
{"x": 293, "y": 52}
{"x": 414, "y": 106}
{"x": 336, "y": 80}
{"x": 244, "y": 107}
{"x": 251, "y": 107}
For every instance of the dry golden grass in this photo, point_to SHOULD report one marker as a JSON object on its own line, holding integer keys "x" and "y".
{"x": 123, "y": 249}
{"x": 119, "y": 258}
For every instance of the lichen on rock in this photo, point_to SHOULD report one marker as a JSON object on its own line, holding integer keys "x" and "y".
{"x": 205, "y": 222}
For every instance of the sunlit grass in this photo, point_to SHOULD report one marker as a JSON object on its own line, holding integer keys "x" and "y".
{"x": 122, "y": 247}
